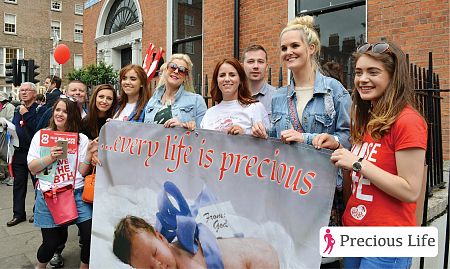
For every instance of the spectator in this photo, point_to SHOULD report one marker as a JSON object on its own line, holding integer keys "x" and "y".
{"x": 254, "y": 61}
{"x": 52, "y": 84}
{"x": 6, "y": 112}
{"x": 174, "y": 102}
{"x": 134, "y": 94}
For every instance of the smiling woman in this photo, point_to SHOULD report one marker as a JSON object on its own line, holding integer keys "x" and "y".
{"x": 174, "y": 102}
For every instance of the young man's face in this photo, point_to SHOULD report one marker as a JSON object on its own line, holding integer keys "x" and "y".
{"x": 48, "y": 85}
{"x": 77, "y": 90}
{"x": 151, "y": 251}
{"x": 255, "y": 65}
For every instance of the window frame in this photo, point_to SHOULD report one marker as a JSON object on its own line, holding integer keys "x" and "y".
{"x": 189, "y": 19}
{"x": 74, "y": 61}
{"x": 56, "y": 2}
{"x": 52, "y": 32}
{"x": 3, "y": 54}
{"x": 55, "y": 65}
{"x": 15, "y": 24}
{"x": 75, "y": 34}
{"x": 82, "y": 9}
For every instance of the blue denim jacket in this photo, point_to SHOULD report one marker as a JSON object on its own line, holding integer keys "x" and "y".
{"x": 328, "y": 111}
{"x": 187, "y": 106}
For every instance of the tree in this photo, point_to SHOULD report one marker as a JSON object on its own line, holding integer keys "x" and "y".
{"x": 94, "y": 75}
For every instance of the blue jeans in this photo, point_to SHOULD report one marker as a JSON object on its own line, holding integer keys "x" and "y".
{"x": 377, "y": 262}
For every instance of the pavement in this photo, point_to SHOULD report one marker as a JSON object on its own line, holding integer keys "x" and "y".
{"x": 19, "y": 244}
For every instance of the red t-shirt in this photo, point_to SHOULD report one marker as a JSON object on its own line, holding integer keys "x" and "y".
{"x": 370, "y": 206}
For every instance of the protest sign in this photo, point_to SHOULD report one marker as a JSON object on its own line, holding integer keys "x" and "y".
{"x": 260, "y": 189}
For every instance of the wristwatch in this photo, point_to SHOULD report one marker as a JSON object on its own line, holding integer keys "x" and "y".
{"x": 357, "y": 165}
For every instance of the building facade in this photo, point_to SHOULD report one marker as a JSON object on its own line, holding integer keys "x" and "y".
{"x": 29, "y": 31}
{"x": 119, "y": 31}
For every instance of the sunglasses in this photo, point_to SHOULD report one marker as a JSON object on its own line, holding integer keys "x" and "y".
{"x": 181, "y": 69}
{"x": 62, "y": 96}
{"x": 379, "y": 47}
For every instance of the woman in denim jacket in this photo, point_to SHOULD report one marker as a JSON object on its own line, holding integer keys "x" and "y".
{"x": 174, "y": 102}
{"x": 312, "y": 103}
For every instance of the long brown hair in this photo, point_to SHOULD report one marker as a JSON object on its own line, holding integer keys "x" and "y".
{"x": 73, "y": 120}
{"x": 144, "y": 92}
{"x": 244, "y": 94}
{"x": 377, "y": 120}
{"x": 92, "y": 116}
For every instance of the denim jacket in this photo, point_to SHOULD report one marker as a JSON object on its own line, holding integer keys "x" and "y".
{"x": 328, "y": 111}
{"x": 187, "y": 106}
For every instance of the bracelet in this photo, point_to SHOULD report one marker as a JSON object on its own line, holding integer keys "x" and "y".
{"x": 338, "y": 146}
{"x": 42, "y": 163}
{"x": 86, "y": 163}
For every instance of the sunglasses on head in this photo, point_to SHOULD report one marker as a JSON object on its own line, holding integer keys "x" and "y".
{"x": 379, "y": 47}
{"x": 62, "y": 96}
{"x": 181, "y": 69}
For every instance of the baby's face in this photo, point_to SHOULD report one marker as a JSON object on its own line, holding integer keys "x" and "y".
{"x": 150, "y": 251}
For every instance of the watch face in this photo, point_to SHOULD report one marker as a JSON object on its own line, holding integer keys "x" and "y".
{"x": 357, "y": 166}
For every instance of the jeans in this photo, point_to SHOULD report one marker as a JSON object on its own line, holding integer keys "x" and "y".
{"x": 377, "y": 262}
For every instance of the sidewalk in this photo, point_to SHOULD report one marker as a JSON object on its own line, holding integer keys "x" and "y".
{"x": 19, "y": 244}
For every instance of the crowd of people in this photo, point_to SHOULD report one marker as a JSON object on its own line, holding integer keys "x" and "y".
{"x": 377, "y": 135}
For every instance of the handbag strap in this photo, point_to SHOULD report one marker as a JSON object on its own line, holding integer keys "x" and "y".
{"x": 293, "y": 114}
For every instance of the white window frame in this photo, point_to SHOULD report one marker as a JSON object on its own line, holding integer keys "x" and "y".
{"x": 79, "y": 9}
{"x": 52, "y": 31}
{"x": 57, "y": 2}
{"x": 189, "y": 47}
{"x": 75, "y": 56}
{"x": 4, "y": 23}
{"x": 19, "y": 55}
{"x": 78, "y": 34}
{"x": 188, "y": 20}
{"x": 54, "y": 65}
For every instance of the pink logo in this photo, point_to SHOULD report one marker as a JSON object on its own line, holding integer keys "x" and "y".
{"x": 328, "y": 237}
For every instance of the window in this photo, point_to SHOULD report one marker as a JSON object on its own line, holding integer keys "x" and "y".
{"x": 78, "y": 9}
{"x": 6, "y": 56}
{"x": 55, "y": 29}
{"x": 78, "y": 36}
{"x": 10, "y": 23}
{"x": 55, "y": 68}
{"x": 56, "y": 5}
{"x": 189, "y": 39}
{"x": 78, "y": 61}
{"x": 339, "y": 40}
{"x": 188, "y": 20}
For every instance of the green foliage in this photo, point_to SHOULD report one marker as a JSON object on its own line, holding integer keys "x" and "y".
{"x": 94, "y": 75}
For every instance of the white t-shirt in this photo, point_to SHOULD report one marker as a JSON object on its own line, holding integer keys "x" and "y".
{"x": 227, "y": 113}
{"x": 304, "y": 94}
{"x": 127, "y": 110}
{"x": 60, "y": 179}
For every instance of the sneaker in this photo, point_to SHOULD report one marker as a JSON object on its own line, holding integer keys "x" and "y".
{"x": 57, "y": 261}
{"x": 9, "y": 181}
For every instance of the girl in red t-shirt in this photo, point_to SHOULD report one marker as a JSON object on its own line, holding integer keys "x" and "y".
{"x": 389, "y": 138}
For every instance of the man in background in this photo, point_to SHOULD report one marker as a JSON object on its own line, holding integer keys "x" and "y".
{"x": 52, "y": 84}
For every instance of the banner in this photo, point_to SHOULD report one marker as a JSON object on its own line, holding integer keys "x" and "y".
{"x": 225, "y": 194}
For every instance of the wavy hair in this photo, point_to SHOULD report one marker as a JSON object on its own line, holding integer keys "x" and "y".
{"x": 377, "y": 120}
{"x": 244, "y": 94}
{"x": 144, "y": 91}
{"x": 73, "y": 121}
{"x": 188, "y": 82}
{"x": 305, "y": 25}
{"x": 92, "y": 116}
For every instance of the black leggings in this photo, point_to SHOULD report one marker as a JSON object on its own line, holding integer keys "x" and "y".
{"x": 53, "y": 237}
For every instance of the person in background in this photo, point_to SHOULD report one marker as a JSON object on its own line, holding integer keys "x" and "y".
{"x": 25, "y": 122}
{"x": 236, "y": 111}
{"x": 174, "y": 102}
{"x": 134, "y": 94}
{"x": 254, "y": 61}
{"x": 334, "y": 70}
{"x": 40, "y": 100}
{"x": 310, "y": 105}
{"x": 66, "y": 118}
{"x": 52, "y": 84}
{"x": 7, "y": 113}
{"x": 102, "y": 106}
{"x": 389, "y": 138}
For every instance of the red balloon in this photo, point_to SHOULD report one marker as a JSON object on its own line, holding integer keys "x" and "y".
{"x": 61, "y": 54}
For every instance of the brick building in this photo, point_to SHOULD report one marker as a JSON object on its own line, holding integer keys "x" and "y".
{"x": 28, "y": 31}
{"x": 119, "y": 31}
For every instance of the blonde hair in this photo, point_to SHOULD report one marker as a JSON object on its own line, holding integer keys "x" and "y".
{"x": 188, "y": 82}
{"x": 305, "y": 24}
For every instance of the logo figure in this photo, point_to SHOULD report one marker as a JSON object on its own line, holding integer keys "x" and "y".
{"x": 328, "y": 237}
